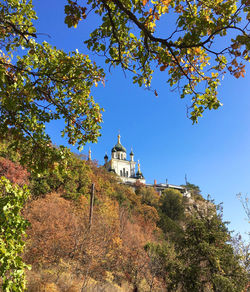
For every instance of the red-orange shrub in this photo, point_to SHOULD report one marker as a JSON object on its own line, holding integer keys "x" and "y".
{"x": 55, "y": 230}
{"x": 13, "y": 171}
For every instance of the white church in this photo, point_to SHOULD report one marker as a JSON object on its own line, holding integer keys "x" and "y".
{"x": 119, "y": 164}
{"x": 126, "y": 169}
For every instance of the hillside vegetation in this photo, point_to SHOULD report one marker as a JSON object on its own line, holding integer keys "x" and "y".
{"x": 138, "y": 240}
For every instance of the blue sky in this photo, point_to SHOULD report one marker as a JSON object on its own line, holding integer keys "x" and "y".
{"x": 215, "y": 154}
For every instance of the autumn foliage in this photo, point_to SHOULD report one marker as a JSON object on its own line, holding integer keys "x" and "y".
{"x": 13, "y": 171}
{"x": 138, "y": 240}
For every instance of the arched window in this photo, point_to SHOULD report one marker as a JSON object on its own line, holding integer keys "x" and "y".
{"x": 126, "y": 173}
{"x": 120, "y": 172}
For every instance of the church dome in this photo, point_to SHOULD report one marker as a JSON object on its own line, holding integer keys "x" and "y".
{"x": 119, "y": 147}
{"x": 138, "y": 173}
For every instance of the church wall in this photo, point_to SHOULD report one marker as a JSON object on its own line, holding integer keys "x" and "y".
{"x": 120, "y": 165}
{"x": 132, "y": 168}
{"x": 132, "y": 180}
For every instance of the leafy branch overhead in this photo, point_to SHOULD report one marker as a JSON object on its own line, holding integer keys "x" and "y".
{"x": 197, "y": 42}
{"x": 190, "y": 40}
{"x": 43, "y": 84}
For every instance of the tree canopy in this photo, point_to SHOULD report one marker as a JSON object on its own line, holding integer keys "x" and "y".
{"x": 39, "y": 84}
{"x": 197, "y": 42}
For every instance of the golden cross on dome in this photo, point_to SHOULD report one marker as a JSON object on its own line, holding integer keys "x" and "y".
{"x": 119, "y": 137}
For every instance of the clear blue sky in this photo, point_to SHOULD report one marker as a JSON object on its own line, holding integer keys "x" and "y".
{"x": 215, "y": 154}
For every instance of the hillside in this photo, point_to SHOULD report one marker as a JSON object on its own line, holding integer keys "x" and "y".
{"x": 138, "y": 240}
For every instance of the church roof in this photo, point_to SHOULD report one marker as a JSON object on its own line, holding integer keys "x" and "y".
{"x": 119, "y": 147}
{"x": 139, "y": 174}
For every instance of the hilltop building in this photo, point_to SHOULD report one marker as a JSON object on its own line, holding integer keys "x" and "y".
{"x": 126, "y": 169}
{"x": 119, "y": 164}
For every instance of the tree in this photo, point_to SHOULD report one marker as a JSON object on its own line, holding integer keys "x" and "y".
{"x": 197, "y": 41}
{"x": 13, "y": 225}
{"x": 163, "y": 263}
{"x": 148, "y": 195}
{"x": 194, "y": 190}
{"x": 242, "y": 247}
{"x": 207, "y": 255}
{"x": 171, "y": 211}
{"x": 245, "y": 204}
{"x": 70, "y": 177}
{"x": 42, "y": 84}
{"x": 38, "y": 84}
{"x": 172, "y": 204}
{"x": 203, "y": 258}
